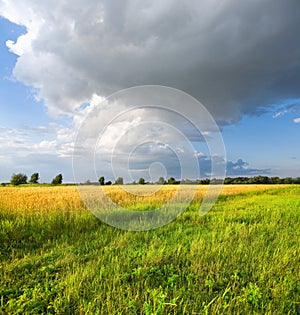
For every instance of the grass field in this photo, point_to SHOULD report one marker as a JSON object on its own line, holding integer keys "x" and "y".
{"x": 243, "y": 257}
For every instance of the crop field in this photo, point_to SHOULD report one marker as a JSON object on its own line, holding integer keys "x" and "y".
{"x": 242, "y": 257}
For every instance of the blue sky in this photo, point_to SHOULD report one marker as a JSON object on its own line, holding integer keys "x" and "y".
{"x": 251, "y": 87}
{"x": 266, "y": 143}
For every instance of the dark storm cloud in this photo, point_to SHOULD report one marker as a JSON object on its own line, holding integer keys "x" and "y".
{"x": 234, "y": 56}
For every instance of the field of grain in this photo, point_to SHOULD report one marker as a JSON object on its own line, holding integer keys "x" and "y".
{"x": 41, "y": 199}
{"x": 242, "y": 257}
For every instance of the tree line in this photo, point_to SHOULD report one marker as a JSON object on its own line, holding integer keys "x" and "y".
{"x": 262, "y": 180}
{"x": 227, "y": 181}
{"x": 141, "y": 181}
{"x": 20, "y": 179}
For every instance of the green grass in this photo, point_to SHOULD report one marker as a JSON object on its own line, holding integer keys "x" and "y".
{"x": 243, "y": 257}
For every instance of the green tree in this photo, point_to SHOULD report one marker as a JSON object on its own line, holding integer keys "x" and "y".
{"x": 275, "y": 180}
{"x": 172, "y": 181}
{"x": 161, "y": 181}
{"x": 34, "y": 178}
{"x": 141, "y": 181}
{"x": 119, "y": 181}
{"x": 102, "y": 180}
{"x": 57, "y": 180}
{"x": 297, "y": 180}
{"x": 205, "y": 181}
{"x": 18, "y": 179}
{"x": 288, "y": 180}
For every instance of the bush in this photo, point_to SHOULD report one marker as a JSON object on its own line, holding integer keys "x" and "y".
{"x": 34, "y": 178}
{"x": 57, "y": 180}
{"x": 101, "y": 180}
{"x": 18, "y": 179}
{"x": 141, "y": 181}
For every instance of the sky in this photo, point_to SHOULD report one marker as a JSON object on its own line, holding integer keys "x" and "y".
{"x": 62, "y": 61}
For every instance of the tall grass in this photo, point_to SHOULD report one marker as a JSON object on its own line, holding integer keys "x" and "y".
{"x": 243, "y": 257}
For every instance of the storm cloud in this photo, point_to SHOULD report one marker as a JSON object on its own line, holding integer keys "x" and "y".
{"x": 236, "y": 57}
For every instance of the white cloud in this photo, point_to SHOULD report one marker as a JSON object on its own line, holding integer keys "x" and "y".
{"x": 128, "y": 139}
{"x": 297, "y": 120}
{"x": 46, "y": 149}
{"x": 25, "y": 141}
{"x": 292, "y": 108}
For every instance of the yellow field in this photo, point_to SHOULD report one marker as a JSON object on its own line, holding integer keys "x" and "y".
{"x": 67, "y": 198}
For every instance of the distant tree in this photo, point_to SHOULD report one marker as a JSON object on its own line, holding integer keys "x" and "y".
{"x": 288, "y": 180}
{"x": 119, "y": 181}
{"x": 275, "y": 180}
{"x": 173, "y": 181}
{"x": 34, "y": 178}
{"x": 240, "y": 180}
{"x": 102, "y": 180}
{"x": 297, "y": 180}
{"x": 228, "y": 180}
{"x": 260, "y": 180}
{"x": 108, "y": 183}
{"x": 18, "y": 179}
{"x": 205, "y": 181}
{"x": 161, "y": 181}
{"x": 57, "y": 180}
{"x": 141, "y": 181}
{"x": 87, "y": 182}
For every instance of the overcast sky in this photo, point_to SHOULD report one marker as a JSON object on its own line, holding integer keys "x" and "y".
{"x": 61, "y": 59}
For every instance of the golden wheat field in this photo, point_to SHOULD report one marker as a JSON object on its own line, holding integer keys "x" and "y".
{"x": 67, "y": 198}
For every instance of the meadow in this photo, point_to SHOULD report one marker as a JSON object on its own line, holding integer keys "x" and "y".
{"x": 242, "y": 257}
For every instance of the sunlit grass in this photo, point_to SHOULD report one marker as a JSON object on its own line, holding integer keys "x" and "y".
{"x": 242, "y": 257}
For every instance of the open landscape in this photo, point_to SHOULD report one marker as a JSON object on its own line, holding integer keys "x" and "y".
{"x": 243, "y": 257}
{"x": 149, "y": 157}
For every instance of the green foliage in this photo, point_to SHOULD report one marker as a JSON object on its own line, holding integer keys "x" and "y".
{"x": 260, "y": 180}
{"x": 142, "y": 181}
{"x": 172, "y": 181}
{"x": 57, "y": 180}
{"x": 102, "y": 180}
{"x": 264, "y": 180}
{"x": 34, "y": 178}
{"x": 240, "y": 258}
{"x": 161, "y": 181}
{"x": 18, "y": 179}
